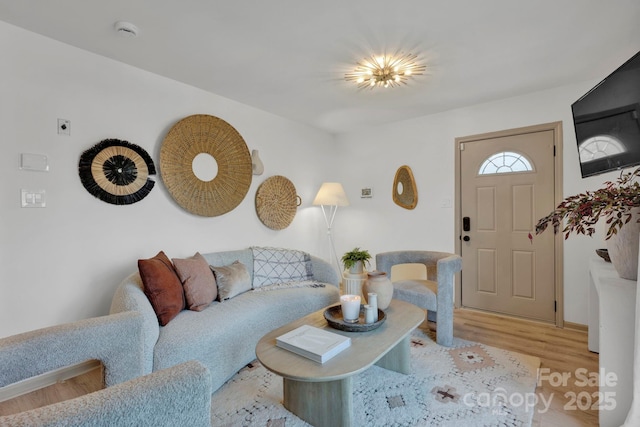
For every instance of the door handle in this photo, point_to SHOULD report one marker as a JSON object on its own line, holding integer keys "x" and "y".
{"x": 466, "y": 224}
{"x": 466, "y": 238}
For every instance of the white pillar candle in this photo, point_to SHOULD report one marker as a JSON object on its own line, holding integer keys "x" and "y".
{"x": 372, "y": 299}
{"x": 350, "y": 308}
{"x": 368, "y": 314}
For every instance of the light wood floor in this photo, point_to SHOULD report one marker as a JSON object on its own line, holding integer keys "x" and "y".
{"x": 560, "y": 350}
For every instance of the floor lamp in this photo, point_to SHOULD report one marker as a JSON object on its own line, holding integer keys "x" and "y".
{"x": 329, "y": 197}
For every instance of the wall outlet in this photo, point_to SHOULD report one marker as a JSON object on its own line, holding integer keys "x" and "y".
{"x": 366, "y": 193}
{"x": 64, "y": 127}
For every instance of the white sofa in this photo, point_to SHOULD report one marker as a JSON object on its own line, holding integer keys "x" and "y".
{"x": 223, "y": 336}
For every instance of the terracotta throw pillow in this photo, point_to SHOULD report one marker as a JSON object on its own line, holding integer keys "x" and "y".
{"x": 232, "y": 280}
{"x": 197, "y": 280}
{"x": 162, "y": 286}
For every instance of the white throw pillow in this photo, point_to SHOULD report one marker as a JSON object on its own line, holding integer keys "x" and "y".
{"x": 275, "y": 265}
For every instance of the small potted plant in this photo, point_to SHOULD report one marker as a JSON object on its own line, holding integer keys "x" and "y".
{"x": 355, "y": 259}
{"x": 617, "y": 203}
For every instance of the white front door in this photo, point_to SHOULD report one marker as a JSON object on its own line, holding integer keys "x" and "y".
{"x": 506, "y": 184}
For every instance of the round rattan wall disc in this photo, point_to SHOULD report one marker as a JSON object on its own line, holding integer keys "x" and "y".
{"x": 198, "y": 134}
{"x": 277, "y": 202}
{"x": 116, "y": 172}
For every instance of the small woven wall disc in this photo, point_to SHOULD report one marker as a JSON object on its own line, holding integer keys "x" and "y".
{"x": 408, "y": 198}
{"x": 277, "y": 202}
{"x": 116, "y": 172}
{"x": 199, "y": 134}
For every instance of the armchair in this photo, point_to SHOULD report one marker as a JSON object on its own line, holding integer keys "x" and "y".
{"x": 434, "y": 294}
{"x": 180, "y": 395}
{"x": 176, "y": 396}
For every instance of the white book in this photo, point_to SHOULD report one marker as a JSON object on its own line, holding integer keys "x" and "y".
{"x": 314, "y": 343}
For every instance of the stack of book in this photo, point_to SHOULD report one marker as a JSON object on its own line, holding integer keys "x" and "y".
{"x": 313, "y": 343}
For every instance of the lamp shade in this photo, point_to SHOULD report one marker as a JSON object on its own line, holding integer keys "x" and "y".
{"x": 331, "y": 194}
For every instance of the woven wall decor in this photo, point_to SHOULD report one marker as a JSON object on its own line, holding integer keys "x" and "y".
{"x": 117, "y": 172}
{"x": 277, "y": 202}
{"x": 199, "y": 134}
{"x": 405, "y": 195}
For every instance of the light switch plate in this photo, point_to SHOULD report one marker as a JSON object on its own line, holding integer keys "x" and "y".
{"x": 34, "y": 162}
{"x": 34, "y": 198}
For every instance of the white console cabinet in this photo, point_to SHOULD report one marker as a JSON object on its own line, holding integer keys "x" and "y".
{"x": 612, "y": 314}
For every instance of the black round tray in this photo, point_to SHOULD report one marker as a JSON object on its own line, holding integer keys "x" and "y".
{"x": 335, "y": 320}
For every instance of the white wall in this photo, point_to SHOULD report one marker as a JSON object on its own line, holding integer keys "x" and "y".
{"x": 370, "y": 159}
{"x": 63, "y": 262}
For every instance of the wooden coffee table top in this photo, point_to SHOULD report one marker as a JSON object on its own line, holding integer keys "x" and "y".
{"x": 365, "y": 350}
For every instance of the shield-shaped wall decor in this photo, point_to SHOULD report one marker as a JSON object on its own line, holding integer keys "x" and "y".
{"x": 405, "y": 192}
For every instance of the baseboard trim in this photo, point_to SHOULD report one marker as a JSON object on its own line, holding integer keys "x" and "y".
{"x": 48, "y": 378}
{"x": 576, "y": 326}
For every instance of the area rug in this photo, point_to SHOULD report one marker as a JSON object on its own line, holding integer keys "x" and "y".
{"x": 469, "y": 384}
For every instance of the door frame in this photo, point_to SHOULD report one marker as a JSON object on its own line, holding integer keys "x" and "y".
{"x": 556, "y": 128}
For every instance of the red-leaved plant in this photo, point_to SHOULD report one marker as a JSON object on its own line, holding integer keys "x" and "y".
{"x": 614, "y": 202}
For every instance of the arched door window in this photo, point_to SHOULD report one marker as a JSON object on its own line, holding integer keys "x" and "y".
{"x": 598, "y": 147}
{"x": 505, "y": 162}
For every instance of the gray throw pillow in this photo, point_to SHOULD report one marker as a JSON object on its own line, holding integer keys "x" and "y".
{"x": 232, "y": 280}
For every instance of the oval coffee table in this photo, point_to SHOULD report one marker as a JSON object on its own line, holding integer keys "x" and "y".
{"x": 321, "y": 393}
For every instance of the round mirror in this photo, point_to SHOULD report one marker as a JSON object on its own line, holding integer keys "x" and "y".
{"x": 205, "y": 167}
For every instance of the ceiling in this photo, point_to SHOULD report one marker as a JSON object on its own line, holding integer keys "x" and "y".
{"x": 288, "y": 57}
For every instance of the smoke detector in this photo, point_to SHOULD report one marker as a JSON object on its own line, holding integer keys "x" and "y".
{"x": 126, "y": 29}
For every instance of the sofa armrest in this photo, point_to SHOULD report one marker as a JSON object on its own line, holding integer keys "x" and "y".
{"x": 177, "y": 396}
{"x": 129, "y": 296}
{"x": 324, "y": 272}
{"x": 114, "y": 340}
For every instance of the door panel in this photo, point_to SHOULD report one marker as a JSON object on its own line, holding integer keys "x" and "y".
{"x": 523, "y": 274}
{"x": 486, "y": 209}
{"x": 504, "y": 270}
{"x": 487, "y": 266}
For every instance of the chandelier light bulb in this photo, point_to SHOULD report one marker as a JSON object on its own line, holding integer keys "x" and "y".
{"x": 386, "y": 71}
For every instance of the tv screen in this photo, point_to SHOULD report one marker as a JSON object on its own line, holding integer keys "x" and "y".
{"x": 607, "y": 121}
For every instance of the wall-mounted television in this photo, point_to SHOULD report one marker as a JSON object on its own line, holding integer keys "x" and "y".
{"x": 607, "y": 121}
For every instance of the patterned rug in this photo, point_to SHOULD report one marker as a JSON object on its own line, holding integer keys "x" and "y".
{"x": 469, "y": 384}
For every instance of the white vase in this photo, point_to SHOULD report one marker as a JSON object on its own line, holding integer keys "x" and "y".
{"x": 623, "y": 248}
{"x": 256, "y": 163}
{"x": 352, "y": 283}
{"x": 357, "y": 268}
{"x": 378, "y": 283}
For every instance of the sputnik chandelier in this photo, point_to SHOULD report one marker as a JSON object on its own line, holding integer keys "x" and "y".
{"x": 386, "y": 71}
